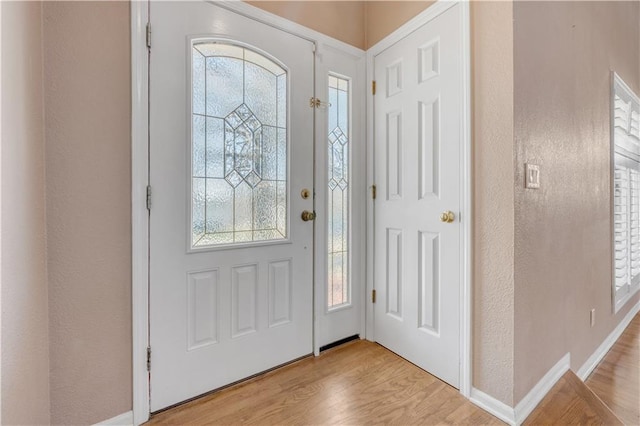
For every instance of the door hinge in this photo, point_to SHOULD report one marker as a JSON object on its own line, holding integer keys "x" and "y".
{"x": 148, "y": 358}
{"x": 374, "y": 192}
{"x": 317, "y": 103}
{"x": 148, "y": 197}
{"x": 148, "y": 35}
{"x": 373, "y": 296}
{"x": 373, "y": 87}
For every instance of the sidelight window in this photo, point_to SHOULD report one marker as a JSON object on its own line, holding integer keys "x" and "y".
{"x": 338, "y": 182}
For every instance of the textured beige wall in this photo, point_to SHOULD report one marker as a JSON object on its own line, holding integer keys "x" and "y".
{"x": 359, "y": 23}
{"x": 564, "y": 52}
{"x": 493, "y": 208}
{"x": 25, "y": 342}
{"x": 88, "y": 119}
{"x": 343, "y": 20}
{"x": 381, "y": 18}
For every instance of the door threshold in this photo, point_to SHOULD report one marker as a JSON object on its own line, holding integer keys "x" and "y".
{"x": 339, "y": 342}
{"x": 237, "y": 382}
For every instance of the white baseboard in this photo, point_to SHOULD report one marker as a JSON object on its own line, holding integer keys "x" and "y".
{"x": 124, "y": 419}
{"x": 493, "y": 406}
{"x": 540, "y": 390}
{"x": 517, "y": 415}
{"x": 602, "y": 350}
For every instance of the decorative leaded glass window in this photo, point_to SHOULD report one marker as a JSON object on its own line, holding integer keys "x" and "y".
{"x": 338, "y": 144}
{"x": 238, "y": 146}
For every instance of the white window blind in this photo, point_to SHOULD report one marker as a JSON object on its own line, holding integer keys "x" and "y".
{"x": 626, "y": 191}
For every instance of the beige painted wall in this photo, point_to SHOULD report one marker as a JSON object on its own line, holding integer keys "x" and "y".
{"x": 88, "y": 119}
{"x": 493, "y": 208}
{"x": 359, "y": 23}
{"x": 25, "y": 341}
{"x": 564, "y": 52}
{"x": 381, "y": 18}
{"x": 343, "y": 20}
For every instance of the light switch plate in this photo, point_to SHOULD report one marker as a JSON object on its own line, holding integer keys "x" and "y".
{"x": 532, "y": 176}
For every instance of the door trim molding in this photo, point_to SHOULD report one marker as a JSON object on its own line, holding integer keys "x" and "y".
{"x": 140, "y": 175}
{"x": 465, "y": 162}
{"x": 139, "y": 212}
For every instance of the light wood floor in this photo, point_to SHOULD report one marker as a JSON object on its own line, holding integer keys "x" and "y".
{"x": 609, "y": 396}
{"x": 616, "y": 380}
{"x": 364, "y": 383}
{"x": 571, "y": 402}
{"x": 356, "y": 383}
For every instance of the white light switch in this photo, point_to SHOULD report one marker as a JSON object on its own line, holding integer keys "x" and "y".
{"x": 532, "y": 173}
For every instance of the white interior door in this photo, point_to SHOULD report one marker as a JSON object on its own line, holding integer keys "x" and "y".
{"x": 231, "y": 148}
{"x": 417, "y": 142}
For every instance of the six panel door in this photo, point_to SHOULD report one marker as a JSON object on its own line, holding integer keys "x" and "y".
{"x": 418, "y": 110}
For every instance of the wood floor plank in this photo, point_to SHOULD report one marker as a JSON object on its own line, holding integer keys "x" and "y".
{"x": 363, "y": 383}
{"x": 610, "y": 396}
{"x": 356, "y": 383}
{"x": 571, "y": 402}
{"x": 616, "y": 380}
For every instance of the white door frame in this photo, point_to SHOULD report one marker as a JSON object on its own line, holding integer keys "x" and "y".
{"x": 140, "y": 175}
{"x": 465, "y": 169}
{"x": 139, "y": 212}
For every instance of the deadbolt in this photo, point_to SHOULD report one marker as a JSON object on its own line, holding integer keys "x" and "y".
{"x": 305, "y": 193}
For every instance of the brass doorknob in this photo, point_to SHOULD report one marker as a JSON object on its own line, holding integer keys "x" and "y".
{"x": 307, "y": 215}
{"x": 447, "y": 217}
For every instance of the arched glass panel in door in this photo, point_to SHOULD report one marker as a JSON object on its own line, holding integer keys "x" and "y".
{"x": 238, "y": 146}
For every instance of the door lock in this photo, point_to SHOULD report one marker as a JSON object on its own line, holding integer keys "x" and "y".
{"x": 447, "y": 217}
{"x": 307, "y": 215}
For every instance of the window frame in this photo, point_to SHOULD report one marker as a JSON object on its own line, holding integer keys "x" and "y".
{"x": 622, "y": 295}
{"x": 349, "y": 261}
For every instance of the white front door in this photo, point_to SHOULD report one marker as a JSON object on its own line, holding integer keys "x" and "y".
{"x": 418, "y": 105}
{"x": 231, "y": 148}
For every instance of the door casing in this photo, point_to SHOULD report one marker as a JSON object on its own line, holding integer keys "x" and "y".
{"x": 140, "y": 179}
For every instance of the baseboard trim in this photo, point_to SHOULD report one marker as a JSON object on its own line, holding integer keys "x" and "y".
{"x": 493, "y": 406}
{"x": 124, "y": 419}
{"x": 515, "y": 416}
{"x": 595, "y": 358}
{"x": 540, "y": 390}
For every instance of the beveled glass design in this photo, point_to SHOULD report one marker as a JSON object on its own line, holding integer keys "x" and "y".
{"x": 338, "y": 283}
{"x": 238, "y": 146}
